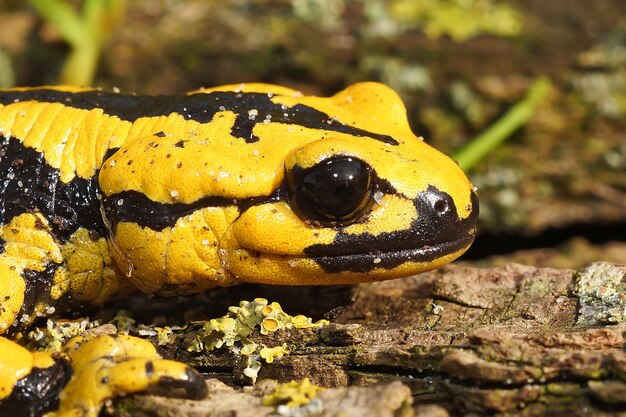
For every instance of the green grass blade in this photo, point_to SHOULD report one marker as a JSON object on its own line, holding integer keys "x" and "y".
{"x": 84, "y": 33}
{"x": 64, "y": 19}
{"x": 504, "y": 127}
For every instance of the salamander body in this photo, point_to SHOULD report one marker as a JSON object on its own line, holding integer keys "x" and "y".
{"x": 103, "y": 193}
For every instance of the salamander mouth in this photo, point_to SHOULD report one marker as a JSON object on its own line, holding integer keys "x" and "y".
{"x": 367, "y": 262}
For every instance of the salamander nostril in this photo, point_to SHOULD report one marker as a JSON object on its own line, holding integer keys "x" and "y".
{"x": 441, "y": 206}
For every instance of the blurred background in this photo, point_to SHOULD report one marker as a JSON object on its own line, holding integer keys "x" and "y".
{"x": 546, "y": 78}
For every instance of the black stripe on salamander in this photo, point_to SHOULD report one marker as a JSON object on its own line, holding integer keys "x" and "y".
{"x": 38, "y": 392}
{"x": 431, "y": 235}
{"x": 38, "y": 285}
{"x": 28, "y": 184}
{"x": 135, "y": 207}
{"x": 200, "y": 107}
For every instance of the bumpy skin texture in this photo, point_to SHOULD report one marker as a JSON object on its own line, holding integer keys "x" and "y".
{"x": 101, "y": 193}
{"x": 79, "y": 379}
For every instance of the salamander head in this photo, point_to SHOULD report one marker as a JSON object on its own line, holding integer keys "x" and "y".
{"x": 317, "y": 191}
{"x": 360, "y": 206}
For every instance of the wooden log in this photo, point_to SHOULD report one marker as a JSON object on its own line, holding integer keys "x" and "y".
{"x": 510, "y": 340}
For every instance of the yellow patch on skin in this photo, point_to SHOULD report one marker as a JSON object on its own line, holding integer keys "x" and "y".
{"x": 252, "y": 88}
{"x": 390, "y": 213}
{"x": 18, "y": 367}
{"x": 74, "y": 141}
{"x": 369, "y": 106}
{"x": 43, "y": 359}
{"x": 13, "y": 289}
{"x": 248, "y": 266}
{"x": 257, "y": 230}
{"x": 181, "y": 259}
{"x": 194, "y": 160}
{"x": 66, "y": 88}
{"x": 28, "y": 245}
{"x": 85, "y": 268}
{"x": 90, "y": 272}
{"x": 61, "y": 284}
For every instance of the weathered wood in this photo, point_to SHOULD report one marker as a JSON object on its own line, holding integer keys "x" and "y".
{"x": 388, "y": 400}
{"x": 509, "y": 340}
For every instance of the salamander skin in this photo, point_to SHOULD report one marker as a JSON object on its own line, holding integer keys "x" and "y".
{"x": 102, "y": 193}
{"x": 79, "y": 379}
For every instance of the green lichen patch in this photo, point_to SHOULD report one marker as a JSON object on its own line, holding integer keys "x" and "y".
{"x": 601, "y": 289}
{"x": 459, "y": 19}
{"x": 58, "y": 332}
{"x": 233, "y": 331}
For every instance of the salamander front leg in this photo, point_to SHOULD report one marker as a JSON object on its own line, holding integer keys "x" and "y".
{"x": 78, "y": 380}
{"x": 112, "y": 365}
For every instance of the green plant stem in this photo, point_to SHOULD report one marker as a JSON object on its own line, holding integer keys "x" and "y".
{"x": 84, "y": 33}
{"x": 504, "y": 127}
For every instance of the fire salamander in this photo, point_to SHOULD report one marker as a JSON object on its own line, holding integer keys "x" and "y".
{"x": 103, "y": 193}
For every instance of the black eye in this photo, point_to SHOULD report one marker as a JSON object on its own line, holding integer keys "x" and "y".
{"x": 335, "y": 191}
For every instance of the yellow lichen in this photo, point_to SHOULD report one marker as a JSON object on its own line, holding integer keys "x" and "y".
{"x": 233, "y": 330}
{"x": 269, "y": 324}
{"x": 269, "y": 353}
{"x": 248, "y": 348}
{"x": 164, "y": 335}
{"x": 269, "y": 309}
{"x": 292, "y": 394}
{"x": 304, "y": 322}
{"x": 123, "y": 322}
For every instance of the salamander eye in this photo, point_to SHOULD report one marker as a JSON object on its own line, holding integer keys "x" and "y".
{"x": 334, "y": 192}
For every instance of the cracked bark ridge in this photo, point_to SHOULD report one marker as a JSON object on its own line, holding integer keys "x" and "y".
{"x": 504, "y": 341}
{"x": 385, "y": 400}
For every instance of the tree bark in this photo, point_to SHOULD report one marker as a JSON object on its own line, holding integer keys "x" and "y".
{"x": 510, "y": 340}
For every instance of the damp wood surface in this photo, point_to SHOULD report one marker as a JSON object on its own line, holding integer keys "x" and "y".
{"x": 497, "y": 341}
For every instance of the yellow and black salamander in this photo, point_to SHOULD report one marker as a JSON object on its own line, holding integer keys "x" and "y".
{"x": 102, "y": 193}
